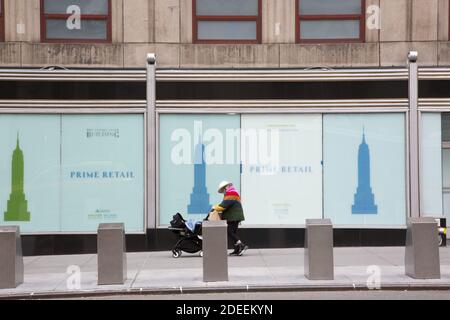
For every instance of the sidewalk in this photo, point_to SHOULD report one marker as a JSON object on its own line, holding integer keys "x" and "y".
{"x": 268, "y": 269}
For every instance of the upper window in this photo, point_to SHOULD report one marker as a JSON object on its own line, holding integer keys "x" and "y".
{"x": 330, "y": 20}
{"x": 76, "y": 20}
{"x": 230, "y": 21}
{"x": 2, "y": 21}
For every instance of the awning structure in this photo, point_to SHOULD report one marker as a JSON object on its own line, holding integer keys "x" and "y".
{"x": 224, "y": 76}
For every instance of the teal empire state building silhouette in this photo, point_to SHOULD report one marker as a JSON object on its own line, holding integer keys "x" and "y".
{"x": 17, "y": 209}
{"x": 364, "y": 198}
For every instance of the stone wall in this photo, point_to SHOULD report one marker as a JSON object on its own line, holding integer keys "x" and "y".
{"x": 165, "y": 27}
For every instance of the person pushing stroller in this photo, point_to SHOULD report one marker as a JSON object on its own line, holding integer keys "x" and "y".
{"x": 230, "y": 209}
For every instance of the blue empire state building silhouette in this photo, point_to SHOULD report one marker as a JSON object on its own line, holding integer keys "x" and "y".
{"x": 199, "y": 196}
{"x": 364, "y": 198}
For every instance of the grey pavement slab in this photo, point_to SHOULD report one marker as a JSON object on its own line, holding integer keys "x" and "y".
{"x": 258, "y": 268}
{"x": 57, "y": 264}
{"x": 169, "y": 278}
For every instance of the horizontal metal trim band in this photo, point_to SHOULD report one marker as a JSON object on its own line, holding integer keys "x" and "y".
{"x": 434, "y": 101}
{"x": 432, "y": 73}
{"x": 72, "y": 79}
{"x": 141, "y": 104}
{"x": 279, "y": 110}
{"x": 434, "y": 109}
{"x": 73, "y": 104}
{"x": 201, "y": 75}
{"x": 70, "y": 110}
{"x": 280, "y": 75}
{"x": 386, "y": 103}
{"x": 72, "y": 75}
{"x": 434, "y": 105}
{"x": 197, "y": 75}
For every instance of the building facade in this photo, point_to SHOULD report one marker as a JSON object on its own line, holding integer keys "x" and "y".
{"x": 310, "y": 107}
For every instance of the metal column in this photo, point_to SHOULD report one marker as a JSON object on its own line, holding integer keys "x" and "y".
{"x": 151, "y": 141}
{"x": 414, "y": 190}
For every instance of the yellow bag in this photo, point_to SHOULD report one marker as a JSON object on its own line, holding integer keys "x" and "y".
{"x": 214, "y": 216}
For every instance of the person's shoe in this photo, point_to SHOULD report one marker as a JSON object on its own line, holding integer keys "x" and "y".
{"x": 235, "y": 251}
{"x": 242, "y": 248}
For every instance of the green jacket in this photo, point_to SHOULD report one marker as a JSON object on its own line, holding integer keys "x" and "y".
{"x": 230, "y": 208}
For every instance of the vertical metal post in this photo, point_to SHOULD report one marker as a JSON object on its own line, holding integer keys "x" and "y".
{"x": 11, "y": 259}
{"x": 422, "y": 249}
{"x": 319, "y": 260}
{"x": 215, "y": 258}
{"x": 414, "y": 193}
{"x": 151, "y": 140}
{"x": 111, "y": 254}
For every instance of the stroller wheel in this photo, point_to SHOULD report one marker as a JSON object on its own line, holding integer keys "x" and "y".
{"x": 201, "y": 254}
{"x": 176, "y": 253}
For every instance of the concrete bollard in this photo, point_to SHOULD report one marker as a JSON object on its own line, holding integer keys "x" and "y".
{"x": 111, "y": 254}
{"x": 422, "y": 249}
{"x": 319, "y": 262}
{"x": 11, "y": 259}
{"x": 215, "y": 256}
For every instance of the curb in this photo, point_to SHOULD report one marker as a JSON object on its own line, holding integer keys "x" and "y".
{"x": 231, "y": 289}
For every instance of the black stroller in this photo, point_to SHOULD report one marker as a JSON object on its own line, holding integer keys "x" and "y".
{"x": 189, "y": 241}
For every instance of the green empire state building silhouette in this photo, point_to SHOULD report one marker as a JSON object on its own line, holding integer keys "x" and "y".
{"x": 17, "y": 209}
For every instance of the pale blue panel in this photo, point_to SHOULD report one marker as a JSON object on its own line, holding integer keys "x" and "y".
{"x": 39, "y": 142}
{"x": 178, "y": 192}
{"x": 227, "y": 30}
{"x": 364, "y": 177}
{"x": 227, "y": 8}
{"x": 431, "y": 165}
{"x": 319, "y": 7}
{"x": 328, "y": 29}
{"x": 102, "y": 171}
{"x": 285, "y": 188}
{"x": 86, "y": 6}
{"x": 90, "y": 29}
